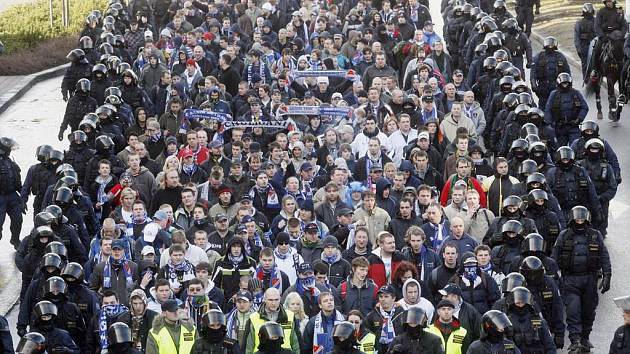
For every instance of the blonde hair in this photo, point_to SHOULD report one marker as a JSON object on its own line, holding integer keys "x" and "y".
{"x": 300, "y": 314}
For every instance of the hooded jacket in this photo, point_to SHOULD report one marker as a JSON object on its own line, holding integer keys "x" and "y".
{"x": 389, "y": 204}
{"x": 338, "y": 270}
{"x": 376, "y": 270}
{"x": 420, "y": 302}
{"x": 226, "y": 275}
{"x": 481, "y": 292}
{"x": 398, "y": 227}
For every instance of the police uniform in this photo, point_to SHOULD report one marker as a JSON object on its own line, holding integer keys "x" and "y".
{"x": 10, "y": 186}
{"x": 531, "y": 333}
{"x": 546, "y": 66}
{"x": 525, "y": 14}
{"x": 610, "y": 25}
{"x": 601, "y": 173}
{"x": 518, "y": 46}
{"x": 584, "y": 32}
{"x": 621, "y": 339}
{"x": 565, "y": 109}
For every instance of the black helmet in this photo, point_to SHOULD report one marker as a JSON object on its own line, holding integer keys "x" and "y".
{"x": 43, "y": 219}
{"x": 57, "y": 248}
{"x": 533, "y": 269}
{"x": 550, "y": 43}
{"x": 55, "y": 285}
{"x": 44, "y": 308}
{"x": 31, "y": 343}
{"x": 42, "y": 152}
{"x": 520, "y": 294}
{"x": 271, "y": 330}
{"x": 519, "y": 144}
{"x": 481, "y": 48}
{"x": 510, "y": 100}
{"x": 502, "y": 66}
{"x": 525, "y": 97}
{"x": 83, "y": 85}
{"x": 528, "y": 128}
{"x": 501, "y": 55}
{"x": 521, "y": 112}
{"x": 57, "y": 212}
{"x": 527, "y": 167}
{"x": 108, "y": 38}
{"x": 588, "y": 125}
{"x": 44, "y": 231}
{"x": 532, "y": 244}
{"x": 538, "y": 149}
{"x": 77, "y": 137}
{"x": 536, "y": 115}
{"x": 74, "y": 270}
{"x": 588, "y": 8}
{"x": 51, "y": 260}
{"x": 536, "y": 194}
{"x": 488, "y": 25}
{"x": 113, "y": 100}
{"x": 86, "y": 42}
{"x": 480, "y": 16}
{"x": 113, "y": 90}
{"x": 499, "y": 4}
{"x": 506, "y": 81}
{"x": 99, "y": 68}
{"x": 594, "y": 143}
{"x": 7, "y": 145}
{"x": 496, "y": 324}
{"x": 532, "y": 138}
{"x": 345, "y": 330}
{"x": 579, "y": 212}
{"x": 103, "y": 143}
{"x": 514, "y": 72}
{"x": 113, "y": 62}
{"x": 107, "y": 50}
{"x": 415, "y": 316}
{"x": 63, "y": 196}
{"x": 119, "y": 333}
{"x": 494, "y": 41}
{"x": 511, "y": 281}
{"x": 124, "y": 67}
{"x": 489, "y": 63}
{"x": 565, "y": 152}
{"x": 213, "y": 317}
{"x": 564, "y": 78}
{"x": 510, "y": 24}
{"x": 76, "y": 56}
{"x": 512, "y": 226}
{"x": 55, "y": 155}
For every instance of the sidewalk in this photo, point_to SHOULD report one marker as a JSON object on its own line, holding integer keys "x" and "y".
{"x": 14, "y": 87}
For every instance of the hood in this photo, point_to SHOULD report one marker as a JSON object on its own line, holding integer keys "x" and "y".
{"x": 144, "y": 265}
{"x": 234, "y": 240}
{"x": 381, "y": 185}
{"x": 404, "y": 290}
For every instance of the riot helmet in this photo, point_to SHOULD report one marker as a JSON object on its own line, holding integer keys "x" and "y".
{"x": 588, "y": 9}
{"x": 533, "y": 268}
{"x": 31, "y": 343}
{"x": 565, "y": 156}
{"x": 594, "y": 148}
{"x": 344, "y": 335}
{"x": 526, "y": 168}
{"x": 528, "y": 128}
{"x": 213, "y": 326}
{"x": 118, "y": 333}
{"x": 550, "y": 43}
{"x": 42, "y": 152}
{"x": 73, "y": 273}
{"x": 510, "y": 101}
{"x": 271, "y": 337}
{"x": 589, "y": 129}
{"x": 44, "y": 308}
{"x": 518, "y": 149}
{"x": 511, "y": 281}
{"x": 579, "y": 218}
{"x": 496, "y": 326}
{"x": 103, "y": 144}
{"x": 489, "y": 64}
{"x": 43, "y": 219}
{"x": 533, "y": 244}
{"x": 57, "y": 248}
{"x": 7, "y": 145}
{"x": 83, "y": 86}
{"x": 564, "y": 80}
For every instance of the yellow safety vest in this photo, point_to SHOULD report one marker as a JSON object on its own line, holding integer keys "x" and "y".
{"x": 165, "y": 342}
{"x": 287, "y": 327}
{"x": 454, "y": 343}
{"x": 368, "y": 343}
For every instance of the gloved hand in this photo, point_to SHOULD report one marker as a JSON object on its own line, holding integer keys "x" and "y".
{"x": 24, "y": 207}
{"x": 61, "y": 349}
{"x": 60, "y": 135}
{"x": 605, "y": 284}
{"x": 528, "y": 65}
{"x": 559, "y": 340}
{"x": 21, "y": 331}
{"x": 619, "y": 180}
{"x": 64, "y": 94}
{"x": 537, "y": 12}
{"x": 398, "y": 348}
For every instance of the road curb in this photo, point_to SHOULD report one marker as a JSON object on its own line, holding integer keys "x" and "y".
{"x": 25, "y": 84}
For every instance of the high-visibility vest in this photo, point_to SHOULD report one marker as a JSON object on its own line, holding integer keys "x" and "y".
{"x": 287, "y": 327}
{"x": 166, "y": 344}
{"x": 453, "y": 344}
{"x": 368, "y": 343}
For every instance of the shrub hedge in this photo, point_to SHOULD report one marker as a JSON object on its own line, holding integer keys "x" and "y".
{"x": 27, "y": 25}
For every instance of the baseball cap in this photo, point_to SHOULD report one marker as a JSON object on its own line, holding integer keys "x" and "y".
{"x": 246, "y": 198}
{"x": 296, "y": 13}
{"x": 343, "y": 211}
{"x": 423, "y": 135}
{"x": 241, "y": 228}
{"x": 187, "y": 153}
{"x": 147, "y": 250}
{"x": 246, "y": 219}
{"x": 451, "y": 288}
{"x": 311, "y": 227}
{"x": 306, "y": 166}
{"x": 170, "y": 140}
{"x": 305, "y": 268}
{"x": 387, "y": 289}
{"x": 244, "y": 295}
{"x": 215, "y": 144}
{"x": 337, "y": 95}
{"x": 330, "y": 241}
{"x": 160, "y": 215}
{"x": 427, "y": 98}
{"x": 409, "y": 190}
{"x": 376, "y": 167}
{"x": 445, "y": 303}
{"x": 308, "y": 94}
{"x": 118, "y": 243}
{"x": 170, "y": 306}
{"x": 221, "y": 216}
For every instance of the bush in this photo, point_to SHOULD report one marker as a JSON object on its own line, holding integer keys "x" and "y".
{"x": 27, "y": 25}
{"x": 45, "y": 55}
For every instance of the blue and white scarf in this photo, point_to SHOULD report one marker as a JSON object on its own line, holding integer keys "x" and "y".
{"x": 261, "y": 71}
{"x": 272, "y": 196}
{"x": 387, "y": 331}
{"x": 107, "y": 272}
{"x": 108, "y": 311}
{"x": 322, "y": 333}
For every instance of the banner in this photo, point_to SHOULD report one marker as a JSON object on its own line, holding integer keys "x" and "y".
{"x": 316, "y": 73}
{"x": 200, "y": 114}
{"x": 317, "y": 110}
{"x": 252, "y": 124}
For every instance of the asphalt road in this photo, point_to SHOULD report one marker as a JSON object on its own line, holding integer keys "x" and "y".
{"x": 34, "y": 120}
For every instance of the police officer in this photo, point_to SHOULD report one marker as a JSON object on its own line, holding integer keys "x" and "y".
{"x": 496, "y": 329}
{"x": 86, "y": 299}
{"x": 64, "y": 198}
{"x": 415, "y": 339}
{"x": 534, "y": 245}
{"x": 31, "y": 343}
{"x": 68, "y": 235}
{"x": 508, "y": 284}
{"x": 104, "y": 146}
{"x": 571, "y": 184}
{"x": 345, "y": 339}
{"x": 55, "y": 290}
{"x": 271, "y": 337}
{"x": 610, "y": 25}
{"x": 119, "y": 339}
{"x": 589, "y": 129}
{"x": 547, "y": 221}
{"x": 525, "y": 14}
{"x": 566, "y": 108}
{"x": 28, "y": 257}
{"x": 213, "y": 339}
{"x": 509, "y": 248}
{"x": 79, "y": 68}
{"x": 546, "y": 67}
{"x": 511, "y": 210}
{"x": 452, "y": 34}
{"x": 30, "y": 184}
{"x": 79, "y": 153}
{"x": 546, "y": 294}
{"x": 518, "y": 44}
{"x": 602, "y": 175}
{"x": 486, "y": 25}
{"x": 6, "y": 342}
{"x": 45, "y": 322}
{"x": 10, "y": 187}
{"x": 531, "y": 333}
{"x": 581, "y": 255}
{"x": 78, "y": 105}
{"x": 584, "y": 33}
{"x": 99, "y": 82}
{"x": 621, "y": 339}
{"x": 482, "y": 85}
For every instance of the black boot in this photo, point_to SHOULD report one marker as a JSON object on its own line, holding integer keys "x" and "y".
{"x": 576, "y": 346}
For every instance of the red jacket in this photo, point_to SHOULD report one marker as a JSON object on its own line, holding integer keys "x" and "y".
{"x": 472, "y": 181}
{"x": 376, "y": 270}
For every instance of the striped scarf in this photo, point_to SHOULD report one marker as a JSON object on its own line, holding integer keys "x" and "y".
{"x": 108, "y": 312}
{"x": 275, "y": 277}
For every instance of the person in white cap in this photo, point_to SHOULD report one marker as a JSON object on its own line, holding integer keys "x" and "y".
{"x": 621, "y": 339}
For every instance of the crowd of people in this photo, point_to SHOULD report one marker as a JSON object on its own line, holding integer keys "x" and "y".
{"x": 315, "y": 177}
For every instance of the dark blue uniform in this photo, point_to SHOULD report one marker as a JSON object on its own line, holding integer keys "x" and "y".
{"x": 10, "y": 201}
{"x": 565, "y": 109}
{"x": 609, "y": 154}
{"x": 581, "y": 254}
{"x": 56, "y": 339}
{"x": 547, "y": 297}
{"x": 531, "y": 332}
{"x": 573, "y": 187}
{"x": 583, "y": 34}
{"x": 6, "y": 341}
{"x": 546, "y": 66}
{"x": 518, "y": 45}
{"x": 525, "y": 14}
{"x": 601, "y": 173}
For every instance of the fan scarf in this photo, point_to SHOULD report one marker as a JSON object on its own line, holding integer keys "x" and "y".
{"x": 316, "y": 73}
{"x": 261, "y": 68}
{"x": 107, "y": 272}
{"x": 275, "y": 277}
{"x": 256, "y": 124}
{"x": 185, "y": 268}
{"x": 387, "y": 331}
{"x": 108, "y": 311}
{"x": 200, "y": 114}
{"x": 272, "y": 196}
{"x": 322, "y": 337}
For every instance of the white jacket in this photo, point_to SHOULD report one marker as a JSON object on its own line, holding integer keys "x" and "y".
{"x": 398, "y": 144}
{"x": 194, "y": 254}
{"x": 287, "y": 265}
